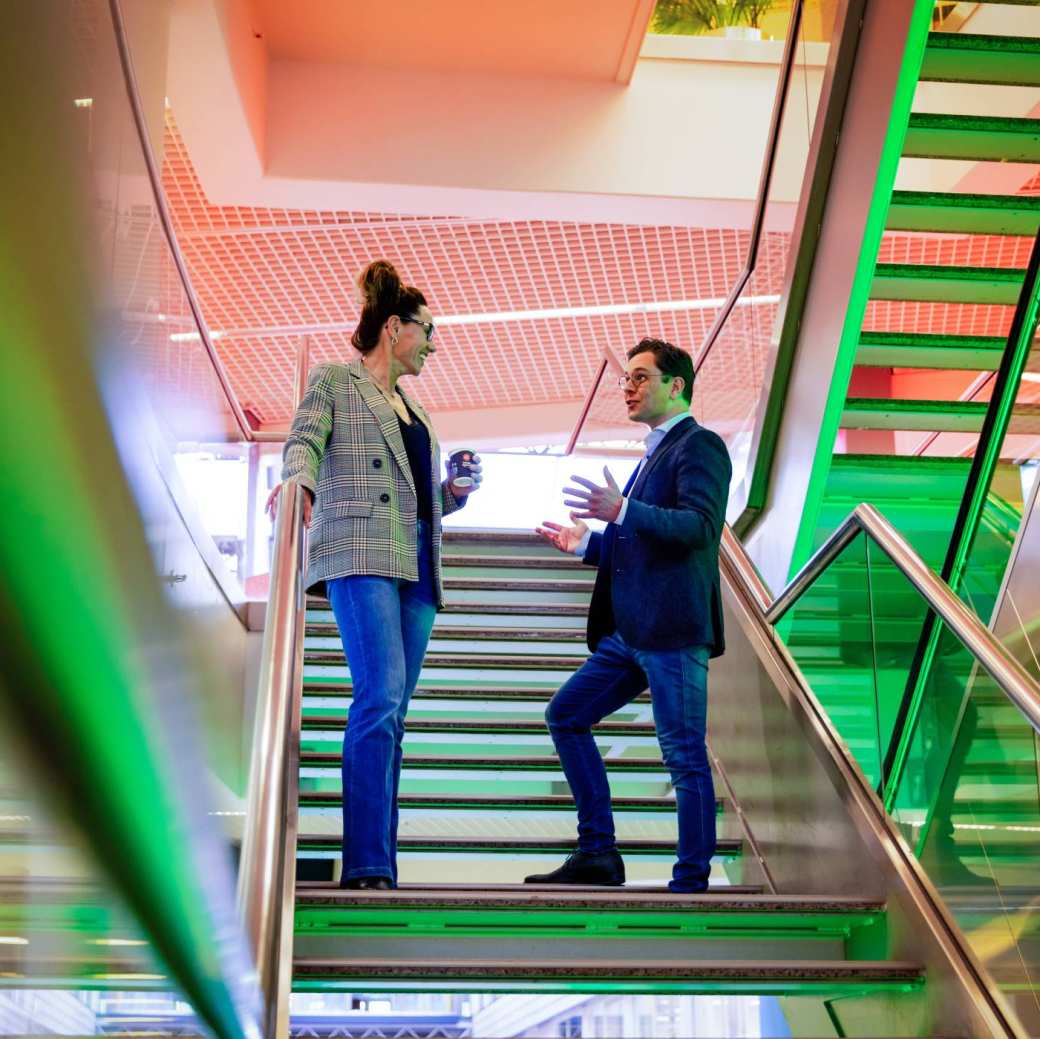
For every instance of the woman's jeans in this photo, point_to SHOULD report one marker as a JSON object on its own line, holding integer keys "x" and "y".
{"x": 385, "y": 625}
{"x": 613, "y": 676}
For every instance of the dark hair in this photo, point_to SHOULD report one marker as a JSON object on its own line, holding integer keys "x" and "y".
{"x": 671, "y": 361}
{"x": 382, "y": 294}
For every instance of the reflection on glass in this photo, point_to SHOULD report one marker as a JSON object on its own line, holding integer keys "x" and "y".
{"x": 970, "y": 804}
{"x": 830, "y": 634}
{"x": 69, "y": 951}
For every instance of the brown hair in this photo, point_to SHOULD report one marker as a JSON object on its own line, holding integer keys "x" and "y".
{"x": 382, "y": 294}
{"x": 670, "y": 360}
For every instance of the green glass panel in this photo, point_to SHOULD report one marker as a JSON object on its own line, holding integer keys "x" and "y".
{"x": 897, "y": 614}
{"x": 829, "y": 634}
{"x": 969, "y": 801}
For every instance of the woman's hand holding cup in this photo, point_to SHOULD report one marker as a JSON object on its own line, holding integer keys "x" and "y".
{"x": 464, "y": 472}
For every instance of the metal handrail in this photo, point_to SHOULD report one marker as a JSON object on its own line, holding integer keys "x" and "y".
{"x": 765, "y": 182}
{"x": 134, "y": 96}
{"x": 1017, "y": 684}
{"x": 266, "y": 879}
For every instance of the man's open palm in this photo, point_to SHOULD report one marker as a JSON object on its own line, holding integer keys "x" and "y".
{"x": 566, "y": 539}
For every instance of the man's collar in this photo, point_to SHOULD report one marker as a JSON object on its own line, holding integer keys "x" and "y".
{"x": 663, "y": 428}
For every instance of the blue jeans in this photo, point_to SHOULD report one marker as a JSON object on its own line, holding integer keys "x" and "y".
{"x": 613, "y": 676}
{"x": 385, "y": 626}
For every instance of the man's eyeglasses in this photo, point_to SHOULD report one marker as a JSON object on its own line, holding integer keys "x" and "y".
{"x": 426, "y": 326}
{"x": 638, "y": 379}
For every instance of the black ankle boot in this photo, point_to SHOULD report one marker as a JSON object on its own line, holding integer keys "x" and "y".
{"x": 600, "y": 868}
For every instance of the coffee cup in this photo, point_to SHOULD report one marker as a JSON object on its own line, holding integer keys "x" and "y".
{"x": 460, "y": 467}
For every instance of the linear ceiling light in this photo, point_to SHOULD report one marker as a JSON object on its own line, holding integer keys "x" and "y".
{"x": 493, "y": 317}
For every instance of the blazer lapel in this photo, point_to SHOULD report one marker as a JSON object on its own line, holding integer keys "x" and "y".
{"x": 662, "y": 449}
{"x": 385, "y": 415}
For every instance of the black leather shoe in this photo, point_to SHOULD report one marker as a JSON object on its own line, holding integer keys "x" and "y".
{"x": 601, "y": 868}
{"x": 368, "y": 884}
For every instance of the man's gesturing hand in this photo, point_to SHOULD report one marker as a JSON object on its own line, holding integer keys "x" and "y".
{"x": 566, "y": 539}
{"x": 602, "y": 503}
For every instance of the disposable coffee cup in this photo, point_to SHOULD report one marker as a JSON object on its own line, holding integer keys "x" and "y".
{"x": 460, "y": 468}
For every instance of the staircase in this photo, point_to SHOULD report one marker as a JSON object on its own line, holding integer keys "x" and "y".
{"x": 483, "y": 802}
{"x": 920, "y": 388}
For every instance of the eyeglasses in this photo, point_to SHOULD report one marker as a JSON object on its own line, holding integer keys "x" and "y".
{"x": 638, "y": 379}
{"x": 426, "y": 326}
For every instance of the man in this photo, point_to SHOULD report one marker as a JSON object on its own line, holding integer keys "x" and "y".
{"x": 655, "y": 617}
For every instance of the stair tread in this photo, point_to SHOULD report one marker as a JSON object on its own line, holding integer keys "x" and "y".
{"x": 311, "y": 887}
{"x": 477, "y": 725}
{"x": 954, "y": 212}
{"x": 559, "y": 561}
{"x": 503, "y": 693}
{"x": 910, "y": 350}
{"x": 972, "y": 137}
{"x": 533, "y": 802}
{"x": 491, "y": 608}
{"x": 975, "y": 58}
{"x": 478, "y": 634}
{"x": 857, "y": 970}
{"x": 512, "y": 845}
{"x": 615, "y": 898}
{"x": 931, "y": 415}
{"x": 507, "y": 764}
{"x": 930, "y": 282}
{"x": 521, "y": 661}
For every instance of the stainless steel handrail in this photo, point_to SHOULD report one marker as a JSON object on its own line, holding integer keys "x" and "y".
{"x": 266, "y": 880}
{"x": 154, "y": 177}
{"x": 1017, "y": 684}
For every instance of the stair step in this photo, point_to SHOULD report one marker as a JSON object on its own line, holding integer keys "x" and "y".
{"x": 481, "y": 693}
{"x": 455, "y": 538}
{"x": 977, "y": 138}
{"x": 475, "y": 634}
{"x": 315, "y": 759}
{"x": 472, "y": 802}
{"x": 953, "y": 57}
{"x": 946, "y": 284}
{"x": 726, "y": 890}
{"x": 559, "y": 561}
{"x": 931, "y": 415}
{"x": 611, "y": 913}
{"x": 500, "y": 609}
{"x": 779, "y": 977}
{"x": 951, "y": 213}
{"x": 910, "y": 350}
{"x": 515, "y": 662}
{"x": 727, "y": 847}
{"x": 338, "y": 721}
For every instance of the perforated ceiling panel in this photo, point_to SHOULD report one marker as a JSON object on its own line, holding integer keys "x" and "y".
{"x": 265, "y": 277}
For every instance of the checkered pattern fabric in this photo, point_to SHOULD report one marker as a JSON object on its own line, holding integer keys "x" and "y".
{"x": 345, "y": 446}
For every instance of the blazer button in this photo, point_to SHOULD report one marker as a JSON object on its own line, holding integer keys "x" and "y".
{"x": 384, "y": 498}
{"x": 377, "y": 463}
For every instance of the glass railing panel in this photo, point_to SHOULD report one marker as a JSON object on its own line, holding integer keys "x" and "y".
{"x": 830, "y": 634}
{"x": 897, "y": 617}
{"x": 70, "y": 951}
{"x": 1002, "y": 510}
{"x": 969, "y": 803}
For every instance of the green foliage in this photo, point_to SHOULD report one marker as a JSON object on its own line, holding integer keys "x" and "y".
{"x": 691, "y": 17}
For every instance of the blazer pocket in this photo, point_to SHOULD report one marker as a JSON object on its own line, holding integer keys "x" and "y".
{"x": 334, "y": 510}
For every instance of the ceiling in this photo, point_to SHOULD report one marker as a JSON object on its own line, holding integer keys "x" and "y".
{"x": 266, "y": 277}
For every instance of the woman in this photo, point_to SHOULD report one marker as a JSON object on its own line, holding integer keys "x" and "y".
{"x": 367, "y": 456}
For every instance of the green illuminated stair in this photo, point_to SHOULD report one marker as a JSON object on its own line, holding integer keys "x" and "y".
{"x": 971, "y": 137}
{"x": 484, "y": 802}
{"x": 965, "y": 58}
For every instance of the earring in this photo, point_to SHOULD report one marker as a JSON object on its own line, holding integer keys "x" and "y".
{"x": 393, "y": 340}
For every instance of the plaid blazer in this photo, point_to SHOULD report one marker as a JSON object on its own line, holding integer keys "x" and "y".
{"x": 345, "y": 447}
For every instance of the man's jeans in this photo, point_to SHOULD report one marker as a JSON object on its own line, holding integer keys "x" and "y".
{"x": 385, "y": 625}
{"x": 614, "y": 675}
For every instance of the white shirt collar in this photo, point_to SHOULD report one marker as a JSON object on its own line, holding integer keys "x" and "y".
{"x": 658, "y": 433}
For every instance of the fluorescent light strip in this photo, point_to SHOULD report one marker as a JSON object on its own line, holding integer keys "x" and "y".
{"x": 495, "y": 317}
{"x": 606, "y": 310}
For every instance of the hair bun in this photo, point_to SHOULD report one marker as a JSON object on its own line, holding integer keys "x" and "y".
{"x": 379, "y": 285}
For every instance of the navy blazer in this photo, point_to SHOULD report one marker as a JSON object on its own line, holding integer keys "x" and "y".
{"x": 658, "y": 579}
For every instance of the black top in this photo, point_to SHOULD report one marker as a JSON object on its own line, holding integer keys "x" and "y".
{"x": 417, "y": 445}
